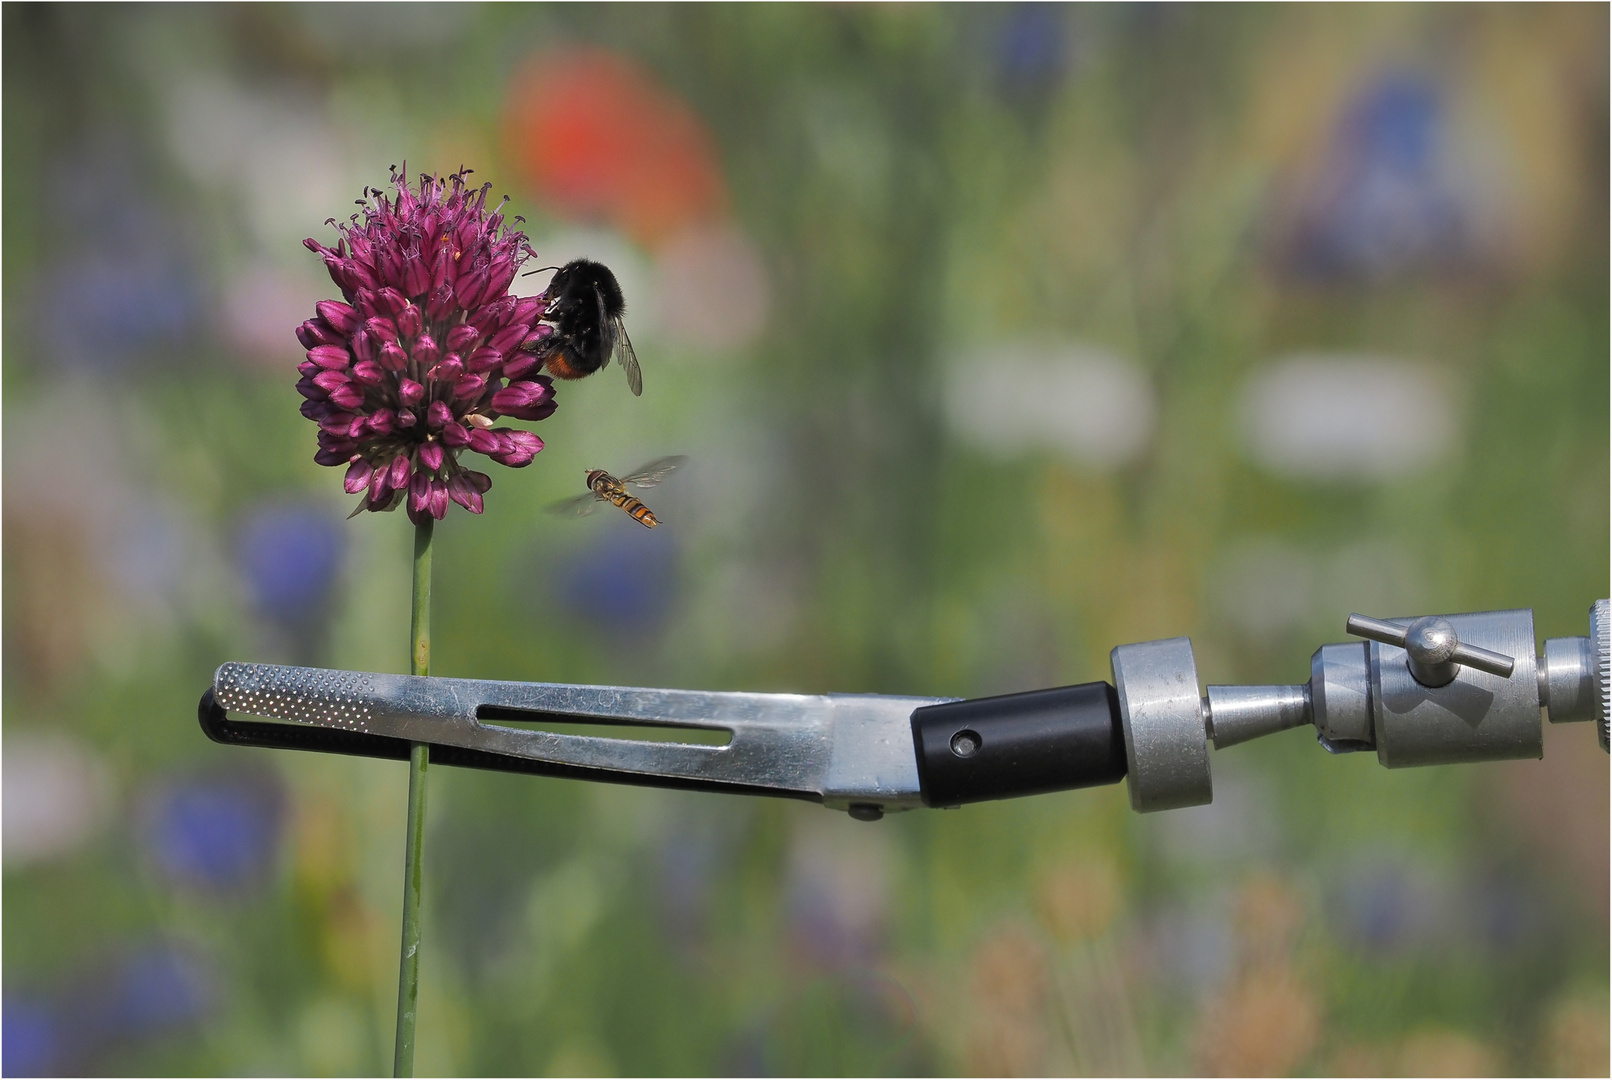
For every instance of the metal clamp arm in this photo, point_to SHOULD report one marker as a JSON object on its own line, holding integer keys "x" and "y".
{"x": 851, "y": 751}
{"x": 1439, "y": 701}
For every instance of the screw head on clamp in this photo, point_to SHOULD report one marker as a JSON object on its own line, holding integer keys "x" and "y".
{"x": 1430, "y": 644}
{"x": 1431, "y": 640}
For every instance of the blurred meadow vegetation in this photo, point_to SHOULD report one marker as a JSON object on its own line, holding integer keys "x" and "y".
{"x": 995, "y": 337}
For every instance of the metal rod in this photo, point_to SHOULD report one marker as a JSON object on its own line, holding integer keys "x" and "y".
{"x": 1484, "y": 660}
{"x": 1376, "y": 629}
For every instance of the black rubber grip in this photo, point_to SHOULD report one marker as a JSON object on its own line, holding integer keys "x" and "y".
{"x": 1018, "y": 744}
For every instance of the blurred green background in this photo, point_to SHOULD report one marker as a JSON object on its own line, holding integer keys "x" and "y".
{"x": 997, "y": 337}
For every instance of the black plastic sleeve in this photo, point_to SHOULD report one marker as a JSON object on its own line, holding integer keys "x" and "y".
{"x": 1018, "y": 744}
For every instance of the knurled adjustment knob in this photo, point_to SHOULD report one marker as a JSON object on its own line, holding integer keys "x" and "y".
{"x": 1601, "y": 651}
{"x": 1433, "y": 652}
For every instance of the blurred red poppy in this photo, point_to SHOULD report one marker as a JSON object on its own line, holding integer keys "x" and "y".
{"x": 596, "y": 137}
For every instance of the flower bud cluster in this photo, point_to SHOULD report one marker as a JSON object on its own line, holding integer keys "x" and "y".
{"x": 423, "y": 354}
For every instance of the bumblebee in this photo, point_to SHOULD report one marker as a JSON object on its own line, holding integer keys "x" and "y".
{"x": 585, "y": 306}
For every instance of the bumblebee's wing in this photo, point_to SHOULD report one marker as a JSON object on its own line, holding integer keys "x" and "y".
{"x": 580, "y": 506}
{"x": 621, "y": 345}
{"x": 653, "y": 473}
{"x": 627, "y": 358}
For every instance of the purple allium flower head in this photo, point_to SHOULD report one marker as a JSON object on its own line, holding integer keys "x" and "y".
{"x": 409, "y": 368}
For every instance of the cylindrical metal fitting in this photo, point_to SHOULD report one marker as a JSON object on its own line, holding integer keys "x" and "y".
{"x": 1166, "y": 745}
{"x": 1478, "y": 717}
{"x": 1567, "y": 679}
{"x": 1240, "y": 713}
{"x": 1340, "y": 696}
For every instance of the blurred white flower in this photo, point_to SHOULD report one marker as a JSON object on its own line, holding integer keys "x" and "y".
{"x": 1241, "y": 826}
{"x": 151, "y": 557}
{"x": 1189, "y": 946}
{"x": 1266, "y": 586}
{"x": 1082, "y": 402}
{"x": 285, "y": 164}
{"x": 838, "y": 891}
{"x": 1263, "y": 586}
{"x": 1371, "y": 576}
{"x": 1341, "y": 417}
{"x": 260, "y": 303}
{"x": 56, "y": 794}
{"x": 711, "y": 288}
{"x": 405, "y": 27}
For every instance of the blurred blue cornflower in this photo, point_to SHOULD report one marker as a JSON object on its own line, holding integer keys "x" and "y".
{"x": 687, "y": 864}
{"x": 1503, "y": 912}
{"x": 1031, "y": 49}
{"x": 1385, "y": 200}
{"x": 217, "y": 834}
{"x": 623, "y": 583}
{"x": 1389, "y": 906}
{"x": 1393, "y": 906}
{"x": 823, "y": 933}
{"x": 31, "y": 1038}
{"x": 126, "y": 997}
{"x": 289, "y": 557}
{"x": 837, "y": 899}
{"x": 125, "y": 290}
{"x": 107, "y": 308}
{"x": 150, "y": 991}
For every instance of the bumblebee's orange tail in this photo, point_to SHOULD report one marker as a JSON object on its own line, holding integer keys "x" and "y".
{"x": 560, "y": 367}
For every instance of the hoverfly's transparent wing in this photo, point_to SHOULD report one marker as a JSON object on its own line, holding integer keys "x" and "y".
{"x": 653, "y": 473}
{"x": 581, "y": 506}
{"x": 628, "y": 359}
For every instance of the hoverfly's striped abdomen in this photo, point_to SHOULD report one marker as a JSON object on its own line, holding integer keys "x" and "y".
{"x": 640, "y": 513}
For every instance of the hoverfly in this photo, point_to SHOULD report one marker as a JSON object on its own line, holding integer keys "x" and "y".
{"x": 602, "y": 488}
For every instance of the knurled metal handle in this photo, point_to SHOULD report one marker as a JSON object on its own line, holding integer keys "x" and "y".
{"x": 1432, "y": 649}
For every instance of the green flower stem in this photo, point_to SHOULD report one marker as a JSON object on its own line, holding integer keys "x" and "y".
{"x": 408, "y": 975}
